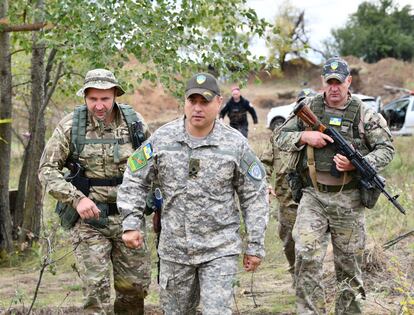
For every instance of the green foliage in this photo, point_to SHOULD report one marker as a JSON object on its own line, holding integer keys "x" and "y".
{"x": 378, "y": 30}
{"x": 170, "y": 39}
{"x": 287, "y": 35}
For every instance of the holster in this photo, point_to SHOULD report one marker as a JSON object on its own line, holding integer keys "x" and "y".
{"x": 67, "y": 214}
{"x": 296, "y": 185}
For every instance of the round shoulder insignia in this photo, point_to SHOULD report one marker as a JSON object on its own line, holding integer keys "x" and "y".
{"x": 255, "y": 172}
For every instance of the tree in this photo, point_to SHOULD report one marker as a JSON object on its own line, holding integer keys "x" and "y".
{"x": 378, "y": 30}
{"x": 6, "y": 243}
{"x": 169, "y": 39}
{"x": 288, "y": 35}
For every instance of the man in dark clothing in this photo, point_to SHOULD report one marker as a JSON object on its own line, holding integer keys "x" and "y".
{"x": 237, "y": 108}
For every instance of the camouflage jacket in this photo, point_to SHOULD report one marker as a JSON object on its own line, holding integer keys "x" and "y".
{"x": 372, "y": 128}
{"x": 97, "y": 159}
{"x": 198, "y": 178}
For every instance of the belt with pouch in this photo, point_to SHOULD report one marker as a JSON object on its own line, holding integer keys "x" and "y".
{"x": 337, "y": 188}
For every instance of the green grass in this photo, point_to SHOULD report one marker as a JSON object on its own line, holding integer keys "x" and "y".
{"x": 271, "y": 285}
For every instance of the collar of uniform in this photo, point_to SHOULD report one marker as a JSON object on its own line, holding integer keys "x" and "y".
{"x": 212, "y": 139}
{"x": 116, "y": 122}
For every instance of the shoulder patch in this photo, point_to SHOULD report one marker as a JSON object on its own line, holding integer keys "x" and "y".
{"x": 147, "y": 151}
{"x": 137, "y": 160}
{"x": 254, "y": 171}
{"x": 253, "y": 168}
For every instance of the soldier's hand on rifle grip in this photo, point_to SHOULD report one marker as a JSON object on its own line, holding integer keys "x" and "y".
{"x": 315, "y": 139}
{"x": 87, "y": 209}
{"x": 342, "y": 163}
{"x": 133, "y": 239}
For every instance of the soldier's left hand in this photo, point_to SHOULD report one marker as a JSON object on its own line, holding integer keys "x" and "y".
{"x": 342, "y": 163}
{"x": 250, "y": 263}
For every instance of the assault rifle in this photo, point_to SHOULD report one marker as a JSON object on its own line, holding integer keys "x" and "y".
{"x": 369, "y": 177}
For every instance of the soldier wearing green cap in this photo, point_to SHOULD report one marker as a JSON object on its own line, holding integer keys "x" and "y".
{"x": 95, "y": 141}
{"x": 331, "y": 203}
{"x": 200, "y": 165}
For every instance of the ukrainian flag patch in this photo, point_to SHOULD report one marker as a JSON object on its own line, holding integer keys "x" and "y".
{"x": 148, "y": 151}
{"x": 335, "y": 121}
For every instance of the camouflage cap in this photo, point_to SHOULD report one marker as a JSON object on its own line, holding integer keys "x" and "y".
{"x": 305, "y": 93}
{"x": 335, "y": 68}
{"x": 100, "y": 79}
{"x": 204, "y": 84}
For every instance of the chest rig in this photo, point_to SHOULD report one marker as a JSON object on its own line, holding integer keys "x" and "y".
{"x": 80, "y": 118}
{"x": 345, "y": 122}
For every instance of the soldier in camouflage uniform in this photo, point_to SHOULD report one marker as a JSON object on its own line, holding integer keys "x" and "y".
{"x": 96, "y": 237}
{"x": 200, "y": 165}
{"x": 332, "y": 205}
{"x": 276, "y": 161}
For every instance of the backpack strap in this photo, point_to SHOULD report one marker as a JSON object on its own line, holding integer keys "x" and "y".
{"x": 80, "y": 117}
{"x": 135, "y": 126}
{"x": 78, "y": 130}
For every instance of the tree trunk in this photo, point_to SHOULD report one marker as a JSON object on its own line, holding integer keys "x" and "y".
{"x": 33, "y": 199}
{"x": 6, "y": 243}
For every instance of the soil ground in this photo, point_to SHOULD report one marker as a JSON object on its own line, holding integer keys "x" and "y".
{"x": 388, "y": 274}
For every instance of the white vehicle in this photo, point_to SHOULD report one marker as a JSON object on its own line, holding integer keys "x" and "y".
{"x": 278, "y": 115}
{"x": 400, "y": 115}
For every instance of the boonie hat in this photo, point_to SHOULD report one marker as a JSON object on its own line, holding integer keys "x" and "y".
{"x": 204, "y": 84}
{"x": 335, "y": 68}
{"x": 101, "y": 79}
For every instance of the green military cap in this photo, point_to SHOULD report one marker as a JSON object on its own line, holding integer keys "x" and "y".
{"x": 335, "y": 68}
{"x": 101, "y": 79}
{"x": 204, "y": 84}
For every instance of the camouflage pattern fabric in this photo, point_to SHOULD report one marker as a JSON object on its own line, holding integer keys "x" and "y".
{"x": 97, "y": 251}
{"x": 210, "y": 283}
{"x": 198, "y": 178}
{"x": 98, "y": 161}
{"x": 339, "y": 214}
{"x": 343, "y": 216}
{"x": 275, "y": 162}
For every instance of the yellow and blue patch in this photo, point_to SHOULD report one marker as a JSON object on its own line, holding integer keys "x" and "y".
{"x": 148, "y": 151}
{"x": 335, "y": 121}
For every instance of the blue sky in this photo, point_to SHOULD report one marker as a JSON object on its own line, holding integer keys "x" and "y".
{"x": 320, "y": 17}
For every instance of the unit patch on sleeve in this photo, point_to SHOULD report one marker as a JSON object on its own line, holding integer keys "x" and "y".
{"x": 137, "y": 160}
{"x": 254, "y": 171}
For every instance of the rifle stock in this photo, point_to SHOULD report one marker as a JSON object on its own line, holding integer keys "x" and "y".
{"x": 369, "y": 176}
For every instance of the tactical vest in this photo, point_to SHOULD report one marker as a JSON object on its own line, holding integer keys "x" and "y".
{"x": 80, "y": 117}
{"x": 346, "y": 123}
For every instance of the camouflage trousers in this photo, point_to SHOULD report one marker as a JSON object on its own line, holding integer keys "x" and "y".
{"x": 97, "y": 251}
{"x": 183, "y": 287}
{"x": 286, "y": 218}
{"x": 342, "y": 216}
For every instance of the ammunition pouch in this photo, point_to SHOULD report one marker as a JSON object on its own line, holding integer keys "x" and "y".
{"x": 67, "y": 214}
{"x": 107, "y": 209}
{"x": 369, "y": 196}
{"x": 296, "y": 185}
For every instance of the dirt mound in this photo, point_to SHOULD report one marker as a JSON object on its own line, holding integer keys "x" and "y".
{"x": 154, "y": 104}
{"x": 370, "y": 78}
